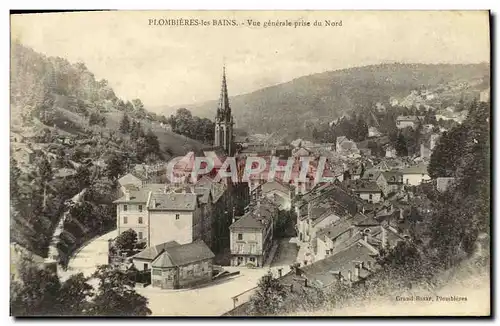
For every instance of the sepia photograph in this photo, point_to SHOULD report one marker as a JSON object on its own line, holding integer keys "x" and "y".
{"x": 250, "y": 163}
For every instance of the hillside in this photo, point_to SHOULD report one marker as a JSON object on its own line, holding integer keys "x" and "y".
{"x": 289, "y": 107}
{"x": 69, "y": 93}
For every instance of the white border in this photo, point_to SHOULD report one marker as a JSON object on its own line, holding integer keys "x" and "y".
{"x": 213, "y": 5}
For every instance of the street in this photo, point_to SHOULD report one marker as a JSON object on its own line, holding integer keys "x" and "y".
{"x": 212, "y": 299}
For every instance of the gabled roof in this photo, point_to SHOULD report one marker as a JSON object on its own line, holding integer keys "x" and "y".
{"x": 326, "y": 270}
{"x": 418, "y": 169}
{"x": 336, "y": 229}
{"x": 136, "y": 197}
{"x": 257, "y": 216}
{"x": 173, "y": 201}
{"x": 366, "y": 186}
{"x": 413, "y": 118}
{"x": 183, "y": 255}
{"x": 363, "y": 220}
{"x": 393, "y": 176}
{"x": 152, "y": 252}
{"x": 129, "y": 178}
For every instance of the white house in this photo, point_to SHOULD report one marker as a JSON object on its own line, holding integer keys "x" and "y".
{"x": 415, "y": 175}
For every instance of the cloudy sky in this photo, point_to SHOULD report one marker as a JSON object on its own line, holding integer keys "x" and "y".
{"x": 169, "y": 66}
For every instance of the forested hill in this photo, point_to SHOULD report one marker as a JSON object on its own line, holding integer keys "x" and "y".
{"x": 68, "y": 97}
{"x": 288, "y": 107}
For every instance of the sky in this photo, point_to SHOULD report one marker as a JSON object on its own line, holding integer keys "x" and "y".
{"x": 175, "y": 65}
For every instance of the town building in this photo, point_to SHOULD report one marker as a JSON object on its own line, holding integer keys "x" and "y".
{"x": 345, "y": 146}
{"x": 389, "y": 182}
{"x": 251, "y": 235}
{"x": 142, "y": 261}
{"x": 443, "y": 183}
{"x": 484, "y": 96}
{"x": 321, "y": 206}
{"x": 403, "y": 121}
{"x": 415, "y": 175}
{"x": 367, "y": 190}
{"x": 182, "y": 266}
{"x": 23, "y": 154}
{"x": 224, "y": 136}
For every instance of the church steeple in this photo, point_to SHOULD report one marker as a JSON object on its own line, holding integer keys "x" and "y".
{"x": 224, "y": 119}
{"x": 224, "y": 110}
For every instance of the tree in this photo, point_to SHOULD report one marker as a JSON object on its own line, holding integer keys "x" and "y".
{"x": 401, "y": 145}
{"x": 447, "y": 153}
{"x": 269, "y": 297}
{"x": 36, "y": 294}
{"x": 116, "y": 295}
{"x": 126, "y": 241}
{"x": 15, "y": 173}
{"x": 125, "y": 124}
{"x": 115, "y": 166}
{"x": 74, "y": 294}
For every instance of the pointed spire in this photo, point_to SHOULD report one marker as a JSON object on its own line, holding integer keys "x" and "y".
{"x": 224, "y": 108}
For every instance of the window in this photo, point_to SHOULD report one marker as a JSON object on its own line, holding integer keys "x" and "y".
{"x": 145, "y": 267}
{"x": 139, "y": 235}
{"x": 252, "y": 259}
{"x": 169, "y": 277}
{"x": 140, "y": 208}
{"x": 177, "y": 216}
{"x": 240, "y": 236}
{"x": 370, "y": 196}
{"x": 125, "y": 220}
{"x": 125, "y": 208}
{"x": 140, "y": 219}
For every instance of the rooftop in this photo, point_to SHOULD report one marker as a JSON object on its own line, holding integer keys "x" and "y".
{"x": 173, "y": 201}
{"x": 183, "y": 254}
{"x": 152, "y": 252}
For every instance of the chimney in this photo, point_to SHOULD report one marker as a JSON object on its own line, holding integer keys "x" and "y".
{"x": 127, "y": 194}
{"x": 365, "y": 237}
{"x": 384, "y": 238}
{"x": 349, "y": 276}
{"x": 153, "y": 203}
{"x": 356, "y": 271}
{"x": 305, "y": 282}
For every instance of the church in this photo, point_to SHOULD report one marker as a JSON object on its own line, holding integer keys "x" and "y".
{"x": 224, "y": 136}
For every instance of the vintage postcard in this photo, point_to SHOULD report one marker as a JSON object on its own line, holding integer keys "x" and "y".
{"x": 250, "y": 163}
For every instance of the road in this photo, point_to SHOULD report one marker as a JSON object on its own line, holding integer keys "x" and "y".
{"x": 213, "y": 299}
{"x": 86, "y": 260}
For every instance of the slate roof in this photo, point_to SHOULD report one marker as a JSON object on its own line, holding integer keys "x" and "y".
{"x": 393, "y": 177}
{"x": 418, "y": 169}
{"x": 136, "y": 196}
{"x": 129, "y": 178}
{"x": 334, "y": 230}
{"x": 363, "y": 220}
{"x": 183, "y": 255}
{"x": 325, "y": 270}
{"x": 366, "y": 186}
{"x": 173, "y": 201}
{"x": 257, "y": 216}
{"x": 407, "y": 118}
{"x": 64, "y": 172}
{"x": 152, "y": 252}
